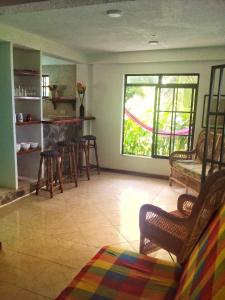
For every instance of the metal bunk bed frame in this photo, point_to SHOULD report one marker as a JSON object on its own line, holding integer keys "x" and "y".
{"x": 215, "y": 122}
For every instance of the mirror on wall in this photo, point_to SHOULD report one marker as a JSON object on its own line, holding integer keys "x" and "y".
{"x": 58, "y": 87}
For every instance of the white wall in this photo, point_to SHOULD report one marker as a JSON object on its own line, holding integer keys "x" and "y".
{"x": 84, "y": 74}
{"x": 107, "y": 105}
{"x": 34, "y": 41}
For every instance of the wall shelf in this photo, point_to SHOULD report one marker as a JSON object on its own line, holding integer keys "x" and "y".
{"x": 32, "y": 122}
{"x": 68, "y": 100}
{"x": 27, "y": 98}
{"x": 31, "y": 150}
{"x": 67, "y": 120}
{"x": 26, "y": 72}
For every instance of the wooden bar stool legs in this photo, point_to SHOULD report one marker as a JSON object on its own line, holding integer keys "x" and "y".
{"x": 39, "y": 175}
{"x": 91, "y": 144}
{"x": 68, "y": 153}
{"x": 81, "y": 150}
{"x": 53, "y": 161}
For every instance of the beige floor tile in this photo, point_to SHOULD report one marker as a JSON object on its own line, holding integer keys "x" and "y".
{"x": 129, "y": 232}
{"x": 47, "y": 241}
{"x": 125, "y": 245}
{"x": 135, "y": 245}
{"x": 161, "y": 253}
{"x": 11, "y": 292}
{"x": 123, "y": 219}
{"x": 105, "y": 236}
{"x": 31, "y": 273}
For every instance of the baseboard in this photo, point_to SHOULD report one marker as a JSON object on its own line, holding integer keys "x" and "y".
{"x": 157, "y": 176}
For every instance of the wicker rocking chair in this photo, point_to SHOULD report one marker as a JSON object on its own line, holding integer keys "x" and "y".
{"x": 178, "y": 233}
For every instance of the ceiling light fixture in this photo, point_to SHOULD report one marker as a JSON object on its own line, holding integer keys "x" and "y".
{"x": 114, "y": 13}
{"x": 153, "y": 43}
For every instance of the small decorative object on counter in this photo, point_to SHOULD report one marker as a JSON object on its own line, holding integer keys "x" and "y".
{"x": 18, "y": 147}
{"x": 28, "y": 118}
{"x": 81, "y": 111}
{"x": 53, "y": 89}
{"x": 19, "y": 117}
{"x": 81, "y": 89}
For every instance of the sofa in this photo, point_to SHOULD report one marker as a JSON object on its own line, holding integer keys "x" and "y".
{"x": 119, "y": 274}
{"x": 186, "y": 166}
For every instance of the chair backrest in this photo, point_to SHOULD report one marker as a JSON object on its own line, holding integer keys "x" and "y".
{"x": 201, "y": 144}
{"x": 210, "y": 199}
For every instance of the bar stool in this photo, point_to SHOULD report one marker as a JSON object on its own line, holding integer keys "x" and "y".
{"x": 82, "y": 151}
{"x": 53, "y": 161}
{"x": 91, "y": 144}
{"x": 68, "y": 152}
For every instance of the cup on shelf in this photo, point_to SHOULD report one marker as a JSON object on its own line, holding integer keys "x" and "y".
{"x": 18, "y": 147}
{"x": 28, "y": 117}
{"x": 19, "y": 117}
{"x": 33, "y": 145}
{"x": 25, "y": 146}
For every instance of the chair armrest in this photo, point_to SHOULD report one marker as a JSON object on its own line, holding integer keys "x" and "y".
{"x": 185, "y": 203}
{"x": 181, "y": 155}
{"x": 162, "y": 228}
{"x": 149, "y": 212}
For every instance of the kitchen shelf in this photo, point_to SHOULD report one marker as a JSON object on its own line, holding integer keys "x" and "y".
{"x": 31, "y": 150}
{"x": 26, "y": 72}
{"x": 68, "y": 100}
{"x": 27, "y": 98}
{"x": 32, "y": 122}
{"x": 67, "y": 120}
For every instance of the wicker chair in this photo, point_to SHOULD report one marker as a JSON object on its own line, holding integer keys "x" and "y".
{"x": 178, "y": 233}
{"x": 186, "y": 166}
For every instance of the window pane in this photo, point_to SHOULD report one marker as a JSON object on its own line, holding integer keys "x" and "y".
{"x": 174, "y": 115}
{"x": 164, "y": 122}
{"x": 138, "y": 120}
{"x": 181, "y": 122}
{"x": 45, "y": 86}
{"x": 163, "y": 145}
{"x": 142, "y": 79}
{"x": 182, "y": 79}
{"x": 136, "y": 141}
{"x": 166, "y": 99}
{"x": 180, "y": 142}
{"x": 183, "y": 99}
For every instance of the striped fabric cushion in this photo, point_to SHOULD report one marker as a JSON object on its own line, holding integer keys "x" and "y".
{"x": 123, "y": 275}
{"x": 203, "y": 277}
{"x": 192, "y": 168}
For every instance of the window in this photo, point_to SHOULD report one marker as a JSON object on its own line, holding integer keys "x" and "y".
{"x": 159, "y": 114}
{"x": 45, "y": 86}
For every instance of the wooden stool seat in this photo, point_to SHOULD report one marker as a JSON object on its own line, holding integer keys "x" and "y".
{"x": 68, "y": 150}
{"x": 53, "y": 161}
{"x": 89, "y": 137}
{"x": 90, "y": 141}
{"x": 50, "y": 153}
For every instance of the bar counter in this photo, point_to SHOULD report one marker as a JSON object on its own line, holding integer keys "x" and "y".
{"x": 66, "y": 120}
{"x": 62, "y": 128}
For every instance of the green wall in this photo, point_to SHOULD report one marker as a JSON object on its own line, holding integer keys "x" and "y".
{"x": 7, "y": 128}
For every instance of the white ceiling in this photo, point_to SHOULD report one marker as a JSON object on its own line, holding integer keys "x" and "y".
{"x": 84, "y": 25}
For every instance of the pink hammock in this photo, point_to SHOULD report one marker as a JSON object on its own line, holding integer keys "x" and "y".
{"x": 184, "y": 131}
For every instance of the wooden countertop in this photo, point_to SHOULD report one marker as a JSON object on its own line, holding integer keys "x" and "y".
{"x": 67, "y": 120}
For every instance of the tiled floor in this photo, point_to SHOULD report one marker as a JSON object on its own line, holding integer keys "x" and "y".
{"x": 46, "y": 241}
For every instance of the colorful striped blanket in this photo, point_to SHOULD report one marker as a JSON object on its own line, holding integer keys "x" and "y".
{"x": 124, "y": 275}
